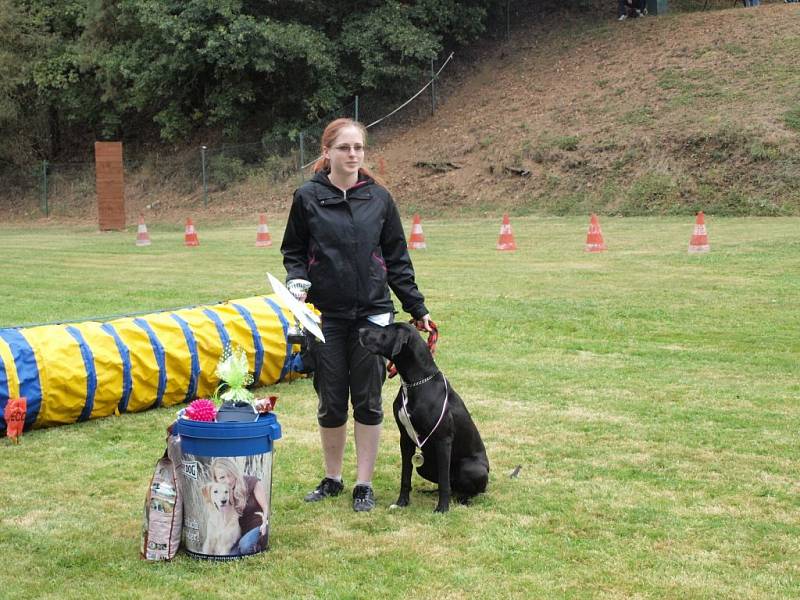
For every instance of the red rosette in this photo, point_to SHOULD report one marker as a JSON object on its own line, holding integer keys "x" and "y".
{"x": 265, "y": 405}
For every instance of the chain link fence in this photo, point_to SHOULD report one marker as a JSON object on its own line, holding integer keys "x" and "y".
{"x": 197, "y": 174}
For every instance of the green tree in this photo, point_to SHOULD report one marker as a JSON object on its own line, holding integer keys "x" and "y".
{"x": 138, "y": 69}
{"x": 20, "y": 43}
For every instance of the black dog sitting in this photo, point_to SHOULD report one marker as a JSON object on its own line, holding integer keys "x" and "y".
{"x": 440, "y": 425}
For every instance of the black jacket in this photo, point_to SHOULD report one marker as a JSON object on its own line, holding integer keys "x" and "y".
{"x": 352, "y": 249}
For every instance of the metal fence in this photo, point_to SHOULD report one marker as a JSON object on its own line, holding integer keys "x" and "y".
{"x": 197, "y": 174}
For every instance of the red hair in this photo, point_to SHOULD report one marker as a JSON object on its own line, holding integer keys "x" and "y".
{"x": 329, "y": 137}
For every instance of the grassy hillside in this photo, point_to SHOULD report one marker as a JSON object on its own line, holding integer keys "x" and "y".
{"x": 652, "y": 116}
{"x": 574, "y": 113}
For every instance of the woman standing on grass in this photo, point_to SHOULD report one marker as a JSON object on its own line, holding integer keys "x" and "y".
{"x": 343, "y": 249}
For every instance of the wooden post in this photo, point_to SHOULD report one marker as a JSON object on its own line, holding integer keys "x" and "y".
{"x": 109, "y": 185}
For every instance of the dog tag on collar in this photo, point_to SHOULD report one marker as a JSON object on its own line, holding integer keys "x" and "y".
{"x": 417, "y": 460}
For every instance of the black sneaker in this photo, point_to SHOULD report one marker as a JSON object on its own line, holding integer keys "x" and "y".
{"x": 327, "y": 487}
{"x": 363, "y": 498}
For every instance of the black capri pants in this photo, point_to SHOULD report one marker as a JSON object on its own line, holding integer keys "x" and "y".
{"x": 344, "y": 369}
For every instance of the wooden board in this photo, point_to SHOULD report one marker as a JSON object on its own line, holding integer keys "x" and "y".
{"x": 110, "y": 185}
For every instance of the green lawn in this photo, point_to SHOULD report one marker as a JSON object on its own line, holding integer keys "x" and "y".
{"x": 651, "y": 398}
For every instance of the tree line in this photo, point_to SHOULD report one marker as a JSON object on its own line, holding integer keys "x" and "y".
{"x": 72, "y": 71}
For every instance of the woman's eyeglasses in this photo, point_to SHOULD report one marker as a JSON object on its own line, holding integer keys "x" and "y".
{"x": 347, "y": 147}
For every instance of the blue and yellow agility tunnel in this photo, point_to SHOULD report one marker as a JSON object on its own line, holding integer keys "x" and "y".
{"x": 78, "y": 371}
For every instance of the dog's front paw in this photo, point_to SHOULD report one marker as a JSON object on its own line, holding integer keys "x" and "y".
{"x": 442, "y": 508}
{"x": 402, "y": 502}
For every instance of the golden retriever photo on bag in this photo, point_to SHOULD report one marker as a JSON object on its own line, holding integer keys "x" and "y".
{"x": 222, "y": 531}
{"x": 226, "y": 504}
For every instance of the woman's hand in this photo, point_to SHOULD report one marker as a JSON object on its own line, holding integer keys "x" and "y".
{"x": 424, "y": 323}
{"x": 298, "y": 288}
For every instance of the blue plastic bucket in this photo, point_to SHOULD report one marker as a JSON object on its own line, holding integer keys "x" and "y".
{"x": 225, "y": 473}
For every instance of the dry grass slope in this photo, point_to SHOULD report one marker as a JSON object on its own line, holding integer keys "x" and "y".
{"x": 662, "y": 115}
{"x": 652, "y": 116}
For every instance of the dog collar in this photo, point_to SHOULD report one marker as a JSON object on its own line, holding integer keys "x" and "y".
{"x": 420, "y": 382}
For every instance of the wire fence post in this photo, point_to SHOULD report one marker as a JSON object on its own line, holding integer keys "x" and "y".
{"x": 45, "y": 207}
{"x": 355, "y": 112}
{"x": 302, "y": 156}
{"x": 433, "y": 88}
{"x": 205, "y": 179}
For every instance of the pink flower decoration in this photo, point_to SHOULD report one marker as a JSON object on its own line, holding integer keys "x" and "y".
{"x": 201, "y": 410}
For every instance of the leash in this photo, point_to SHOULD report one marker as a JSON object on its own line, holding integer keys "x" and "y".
{"x": 417, "y": 460}
{"x": 433, "y": 338}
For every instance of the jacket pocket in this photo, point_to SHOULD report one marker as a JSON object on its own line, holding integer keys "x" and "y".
{"x": 378, "y": 289}
{"x": 378, "y": 264}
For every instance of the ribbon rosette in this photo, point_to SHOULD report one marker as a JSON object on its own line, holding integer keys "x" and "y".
{"x": 234, "y": 372}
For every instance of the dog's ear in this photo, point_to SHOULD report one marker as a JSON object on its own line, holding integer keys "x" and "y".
{"x": 400, "y": 340}
{"x": 206, "y": 490}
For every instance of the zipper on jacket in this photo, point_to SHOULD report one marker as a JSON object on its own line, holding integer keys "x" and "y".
{"x": 344, "y": 197}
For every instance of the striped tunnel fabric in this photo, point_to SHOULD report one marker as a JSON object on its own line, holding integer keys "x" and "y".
{"x": 191, "y": 344}
{"x": 91, "y": 374}
{"x": 80, "y": 371}
{"x": 21, "y": 373}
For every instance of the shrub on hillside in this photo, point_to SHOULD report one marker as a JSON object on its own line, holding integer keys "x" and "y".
{"x": 652, "y": 193}
{"x": 792, "y": 118}
{"x": 223, "y": 170}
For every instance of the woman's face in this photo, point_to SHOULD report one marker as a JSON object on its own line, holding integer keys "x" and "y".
{"x": 221, "y": 476}
{"x": 346, "y": 153}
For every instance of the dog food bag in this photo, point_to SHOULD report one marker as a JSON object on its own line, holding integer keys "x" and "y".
{"x": 163, "y": 514}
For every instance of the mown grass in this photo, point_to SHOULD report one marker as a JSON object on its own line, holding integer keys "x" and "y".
{"x": 650, "y": 397}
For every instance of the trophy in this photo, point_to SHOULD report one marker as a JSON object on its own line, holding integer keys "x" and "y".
{"x": 304, "y": 318}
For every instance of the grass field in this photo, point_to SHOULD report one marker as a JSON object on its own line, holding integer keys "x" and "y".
{"x": 651, "y": 398}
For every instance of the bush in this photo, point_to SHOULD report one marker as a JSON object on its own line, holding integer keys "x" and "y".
{"x": 652, "y": 193}
{"x": 759, "y": 151}
{"x": 278, "y": 168}
{"x": 792, "y": 118}
{"x": 566, "y": 142}
{"x": 225, "y": 170}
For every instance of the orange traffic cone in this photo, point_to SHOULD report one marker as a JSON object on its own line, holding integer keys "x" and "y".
{"x": 506, "y": 241}
{"x": 142, "y": 237}
{"x": 594, "y": 238}
{"x": 263, "y": 239}
{"x": 699, "y": 242}
{"x": 190, "y": 238}
{"x": 417, "y": 239}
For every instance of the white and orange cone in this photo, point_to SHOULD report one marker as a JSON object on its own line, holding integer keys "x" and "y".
{"x": 263, "y": 239}
{"x": 506, "y": 241}
{"x": 594, "y": 237}
{"x": 699, "y": 242}
{"x": 142, "y": 237}
{"x": 417, "y": 239}
{"x": 190, "y": 237}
